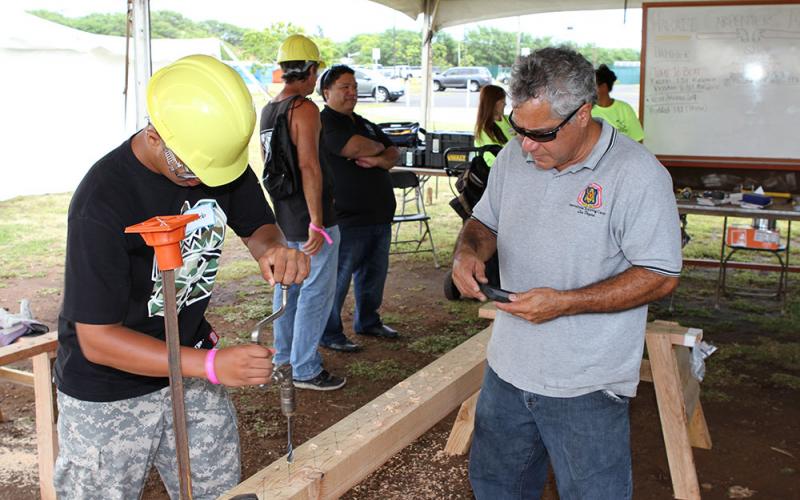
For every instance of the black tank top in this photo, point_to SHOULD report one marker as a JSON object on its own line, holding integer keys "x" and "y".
{"x": 292, "y": 212}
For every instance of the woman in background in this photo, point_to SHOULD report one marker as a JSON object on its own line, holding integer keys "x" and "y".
{"x": 618, "y": 114}
{"x": 492, "y": 126}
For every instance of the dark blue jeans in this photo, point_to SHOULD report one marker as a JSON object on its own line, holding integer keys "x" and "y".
{"x": 364, "y": 257}
{"x": 586, "y": 438}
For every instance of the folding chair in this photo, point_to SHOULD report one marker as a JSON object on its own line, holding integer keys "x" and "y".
{"x": 411, "y": 209}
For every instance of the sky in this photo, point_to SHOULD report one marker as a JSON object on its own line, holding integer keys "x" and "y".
{"x": 341, "y": 19}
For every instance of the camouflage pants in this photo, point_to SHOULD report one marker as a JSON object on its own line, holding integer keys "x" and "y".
{"x": 106, "y": 450}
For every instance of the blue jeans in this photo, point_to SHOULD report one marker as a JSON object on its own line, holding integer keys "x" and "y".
{"x": 587, "y": 439}
{"x": 364, "y": 257}
{"x": 298, "y": 331}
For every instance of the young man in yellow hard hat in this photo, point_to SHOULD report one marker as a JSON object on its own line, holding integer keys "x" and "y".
{"x": 115, "y": 419}
{"x": 306, "y": 216}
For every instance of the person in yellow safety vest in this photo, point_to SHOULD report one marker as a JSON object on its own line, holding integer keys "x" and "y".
{"x": 115, "y": 419}
{"x": 491, "y": 126}
{"x": 617, "y": 113}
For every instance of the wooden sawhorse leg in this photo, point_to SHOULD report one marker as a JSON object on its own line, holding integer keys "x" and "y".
{"x": 460, "y": 438}
{"x": 46, "y": 434}
{"x": 682, "y": 421}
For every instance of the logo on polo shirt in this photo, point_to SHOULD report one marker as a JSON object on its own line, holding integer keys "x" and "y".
{"x": 591, "y": 196}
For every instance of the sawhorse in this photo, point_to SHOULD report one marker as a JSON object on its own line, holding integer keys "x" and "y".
{"x": 683, "y": 423}
{"x": 41, "y": 350}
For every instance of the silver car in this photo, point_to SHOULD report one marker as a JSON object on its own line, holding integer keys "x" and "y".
{"x": 373, "y": 84}
{"x": 474, "y": 78}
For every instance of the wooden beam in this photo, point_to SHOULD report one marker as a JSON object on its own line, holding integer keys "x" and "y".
{"x": 17, "y": 376}
{"x": 332, "y": 462}
{"x": 27, "y": 347}
{"x": 460, "y": 438}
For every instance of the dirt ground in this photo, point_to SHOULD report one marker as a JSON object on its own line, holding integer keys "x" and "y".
{"x": 754, "y": 420}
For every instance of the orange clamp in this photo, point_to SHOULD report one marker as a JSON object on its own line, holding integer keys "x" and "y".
{"x": 164, "y": 233}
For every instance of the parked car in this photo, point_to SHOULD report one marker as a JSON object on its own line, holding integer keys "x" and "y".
{"x": 504, "y": 76}
{"x": 373, "y": 84}
{"x": 473, "y": 78}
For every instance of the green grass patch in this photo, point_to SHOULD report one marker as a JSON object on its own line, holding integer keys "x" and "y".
{"x": 785, "y": 381}
{"x": 435, "y": 344}
{"x": 241, "y": 313}
{"x": 237, "y": 270}
{"x": 387, "y": 369}
{"x": 33, "y": 231}
{"x": 48, "y": 292}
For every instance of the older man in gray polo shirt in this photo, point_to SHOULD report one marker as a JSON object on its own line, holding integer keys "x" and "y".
{"x": 587, "y": 231}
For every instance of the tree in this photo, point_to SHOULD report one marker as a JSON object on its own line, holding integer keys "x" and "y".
{"x": 263, "y": 45}
{"x": 445, "y": 50}
{"x": 485, "y": 46}
{"x": 229, "y": 33}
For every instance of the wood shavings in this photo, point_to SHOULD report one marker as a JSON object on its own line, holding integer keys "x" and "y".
{"x": 740, "y": 492}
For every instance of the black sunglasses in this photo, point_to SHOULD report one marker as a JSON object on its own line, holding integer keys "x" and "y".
{"x": 541, "y": 136}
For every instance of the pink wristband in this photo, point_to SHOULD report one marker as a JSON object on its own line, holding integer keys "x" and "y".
{"x": 321, "y": 231}
{"x": 210, "y": 373}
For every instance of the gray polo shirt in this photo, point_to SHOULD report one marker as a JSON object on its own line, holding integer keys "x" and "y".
{"x": 566, "y": 230}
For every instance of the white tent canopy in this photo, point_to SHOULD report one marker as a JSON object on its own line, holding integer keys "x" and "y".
{"x": 63, "y": 96}
{"x": 456, "y": 12}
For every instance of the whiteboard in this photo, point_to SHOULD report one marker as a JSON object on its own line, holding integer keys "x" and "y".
{"x": 722, "y": 81}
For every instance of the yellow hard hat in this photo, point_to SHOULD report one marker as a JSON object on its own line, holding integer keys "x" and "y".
{"x": 203, "y": 111}
{"x": 299, "y": 48}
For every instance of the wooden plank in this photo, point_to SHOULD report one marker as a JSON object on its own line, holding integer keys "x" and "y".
{"x": 487, "y": 311}
{"x": 460, "y": 438}
{"x": 699, "y": 436}
{"x": 332, "y": 462}
{"x": 645, "y": 372}
{"x": 672, "y": 413}
{"x": 27, "y": 347}
{"x": 17, "y": 376}
{"x": 46, "y": 435}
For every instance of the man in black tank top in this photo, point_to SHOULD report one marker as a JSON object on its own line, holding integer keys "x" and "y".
{"x": 307, "y": 218}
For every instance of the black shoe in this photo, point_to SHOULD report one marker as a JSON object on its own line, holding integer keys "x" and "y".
{"x": 322, "y": 382}
{"x": 345, "y": 346}
{"x": 380, "y": 331}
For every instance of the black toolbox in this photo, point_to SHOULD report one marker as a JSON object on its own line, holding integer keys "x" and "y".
{"x": 405, "y": 134}
{"x": 411, "y": 157}
{"x": 436, "y": 143}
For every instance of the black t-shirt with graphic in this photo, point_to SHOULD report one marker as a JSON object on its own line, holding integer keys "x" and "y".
{"x": 111, "y": 277}
{"x": 363, "y": 196}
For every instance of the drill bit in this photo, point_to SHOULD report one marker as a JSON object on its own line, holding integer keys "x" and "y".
{"x": 290, "y": 449}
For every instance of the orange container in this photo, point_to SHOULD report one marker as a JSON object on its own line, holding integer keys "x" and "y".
{"x": 164, "y": 233}
{"x": 750, "y": 237}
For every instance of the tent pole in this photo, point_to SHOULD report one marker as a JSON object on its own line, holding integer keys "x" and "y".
{"x": 429, "y": 18}
{"x": 143, "y": 64}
